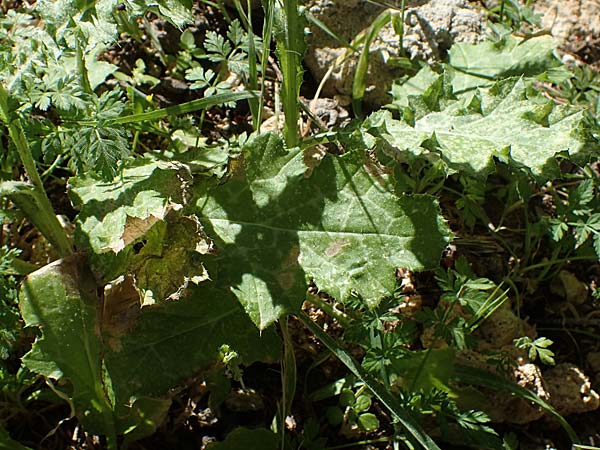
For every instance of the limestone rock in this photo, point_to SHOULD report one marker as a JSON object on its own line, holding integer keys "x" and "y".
{"x": 565, "y": 18}
{"x": 501, "y": 406}
{"x": 503, "y": 326}
{"x": 570, "y": 390}
{"x": 431, "y": 27}
{"x": 565, "y": 386}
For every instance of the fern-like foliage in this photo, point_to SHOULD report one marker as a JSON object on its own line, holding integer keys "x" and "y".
{"x": 100, "y": 146}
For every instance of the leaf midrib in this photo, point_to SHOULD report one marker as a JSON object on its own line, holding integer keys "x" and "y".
{"x": 300, "y": 231}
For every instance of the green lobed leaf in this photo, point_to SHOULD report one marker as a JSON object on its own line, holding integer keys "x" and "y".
{"x": 132, "y": 209}
{"x": 482, "y": 64}
{"x": 122, "y": 362}
{"x": 166, "y": 344}
{"x": 426, "y": 370}
{"x": 414, "y": 86}
{"x": 60, "y": 299}
{"x": 135, "y": 348}
{"x": 276, "y": 228}
{"x": 368, "y": 422}
{"x": 506, "y": 120}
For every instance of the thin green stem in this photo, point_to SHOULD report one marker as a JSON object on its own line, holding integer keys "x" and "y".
{"x": 252, "y": 60}
{"x": 512, "y": 284}
{"x": 342, "y": 318}
{"x": 552, "y": 262}
{"x": 361, "y": 443}
{"x": 383, "y": 395}
{"x": 288, "y": 376}
{"x": 269, "y": 9}
{"x": 359, "y": 84}
{"x": 253, "y": 82}
{"x": 45, "y": 218}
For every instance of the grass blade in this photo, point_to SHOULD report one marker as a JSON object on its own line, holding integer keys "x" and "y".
{"x": 359, "y": 84}
{"x": 267, "y": 37}
{"x": 382, "y": 394}
{"x": 252, "y": 60}
{"x": 318, "y": 23}
{"x": 184, "y": 108}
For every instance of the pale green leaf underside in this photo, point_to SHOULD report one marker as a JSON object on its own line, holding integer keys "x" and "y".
{"x": 483, "y": 64}
{"x": 143, "y": 190}
{"x": 505, "y": 119}
{"x": 341, "y": 227}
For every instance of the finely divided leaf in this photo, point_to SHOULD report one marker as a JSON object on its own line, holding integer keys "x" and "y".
{"x": 508, "y": 119}
{"x": 342, "y": 227}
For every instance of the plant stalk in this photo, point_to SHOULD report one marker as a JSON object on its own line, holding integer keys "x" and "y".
{"x": 269, "y": 11}
{"x": 379, "y": 391}
{"x": 290, "y": 59}
{"x": 288, "y": 376}
{"x": 45, "y": 218}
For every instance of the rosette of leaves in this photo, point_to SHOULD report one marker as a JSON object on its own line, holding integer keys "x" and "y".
{"x": 157, "y": 322}
{"x": 509, "y": 121}
{"x": 484, "y": 105}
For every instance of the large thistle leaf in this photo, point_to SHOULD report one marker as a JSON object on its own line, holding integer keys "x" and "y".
{"x": 133, "y": 226}
{"x": 342, "y": 227}
{"x": 122, "y": 359}
{"x": 508, "y": 120}
{"x": 151, "y": 329}
{"x": 471, "y": 66}
{"x": 483, "y": 64}
{"x": 169, "y": 343}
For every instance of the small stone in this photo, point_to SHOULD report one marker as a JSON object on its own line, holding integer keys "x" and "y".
{"x": 570, "y": 390}
{"x": 566, "y": 18}
{"x": 569, "y": 287}
{"x": 244, "y": 400}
